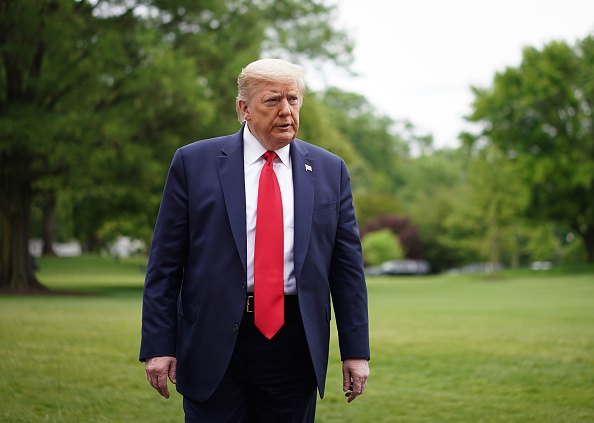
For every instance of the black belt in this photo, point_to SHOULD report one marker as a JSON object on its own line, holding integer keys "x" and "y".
{"x": 249, "y": 304}
{"x": 250, "y": 301}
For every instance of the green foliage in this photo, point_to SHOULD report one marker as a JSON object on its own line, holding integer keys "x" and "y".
{"x": 371, "y": 134}
{"x": 317, "y": 127}
{"x": 541, "y": 243}
{"x": 486, "y": 216}
{"x": 429, "y": 197}
{"x": 573, "y": 252}
{"x": 95, "y": 96}
{"x": 430, "y": 175}
{"x": 449, "y": 348}
{"x": 540, "y": 115}
{"x": 381, "y": 246}
{"x": 370, "y": 205}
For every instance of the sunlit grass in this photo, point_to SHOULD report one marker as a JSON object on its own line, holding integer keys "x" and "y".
{"x": 453, "y": 349}
{"x": 517, "y": 348}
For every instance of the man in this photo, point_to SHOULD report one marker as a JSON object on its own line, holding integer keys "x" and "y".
{"x": 255, "y": 232}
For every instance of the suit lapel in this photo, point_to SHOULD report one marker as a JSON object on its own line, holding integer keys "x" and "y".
{"x": 233, "y": 185}
{"x": 303, "y": 192}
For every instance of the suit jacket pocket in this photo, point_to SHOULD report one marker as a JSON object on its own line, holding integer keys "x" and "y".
{"x": 187, "y": 310}
{"x": 324, "y": 207}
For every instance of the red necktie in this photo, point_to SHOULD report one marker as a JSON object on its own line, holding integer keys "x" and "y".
{"x": 269, "y": 253}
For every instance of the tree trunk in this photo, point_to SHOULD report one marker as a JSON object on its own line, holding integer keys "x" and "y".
{"x": 15, "y": 208}
{"x": 49, "y": 218}
{"x": 588, "y": 237}
{"x": 4, "y": 250}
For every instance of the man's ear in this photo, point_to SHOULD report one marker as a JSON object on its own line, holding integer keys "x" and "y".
{"x": 244, "y": 109}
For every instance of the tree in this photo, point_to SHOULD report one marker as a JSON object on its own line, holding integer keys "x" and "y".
{"x": 318, "y": 128}
{"x": 540, "y": 115}
{"x": 372, "y": 205}
{"x": 96, "y": 95}
{"x": 70, "y": 111}
{"x": 372, "y": 135}
{"x": 486, "y": 219}
{"x": 429, "y": 196}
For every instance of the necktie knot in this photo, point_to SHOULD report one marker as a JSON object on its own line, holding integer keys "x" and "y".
{"x": 269, "y": 156}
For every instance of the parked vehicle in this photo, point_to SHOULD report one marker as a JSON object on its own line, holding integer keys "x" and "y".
{"x": 400, "y": 267}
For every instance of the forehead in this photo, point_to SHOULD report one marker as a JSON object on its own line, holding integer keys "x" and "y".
{"x": 266, "y": 88}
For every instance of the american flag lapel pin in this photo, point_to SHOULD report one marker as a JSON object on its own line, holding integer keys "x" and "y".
{"x": 308, "y": 168}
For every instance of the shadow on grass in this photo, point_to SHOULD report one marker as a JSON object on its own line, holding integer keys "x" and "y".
{"x": 88, "y": 291}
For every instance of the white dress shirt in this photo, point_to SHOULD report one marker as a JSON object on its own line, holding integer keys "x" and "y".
{"x": 252, "y": 167}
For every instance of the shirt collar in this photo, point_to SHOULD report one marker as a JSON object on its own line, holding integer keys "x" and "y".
{"x": 253, "y": 150}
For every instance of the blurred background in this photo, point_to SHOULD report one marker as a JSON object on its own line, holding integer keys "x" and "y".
{"x": 95, "y": 96}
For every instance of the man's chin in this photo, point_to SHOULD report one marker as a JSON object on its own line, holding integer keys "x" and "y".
{"x": 285, "y": 138}
{"x": 283, "y": 143}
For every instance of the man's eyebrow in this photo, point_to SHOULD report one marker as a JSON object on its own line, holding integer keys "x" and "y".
{"x": 276, "y": 96}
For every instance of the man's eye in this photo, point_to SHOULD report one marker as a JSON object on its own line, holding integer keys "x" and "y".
{"x": 294, "y": 100}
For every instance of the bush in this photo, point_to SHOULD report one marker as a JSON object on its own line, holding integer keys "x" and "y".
{"x": 381, "y": 246}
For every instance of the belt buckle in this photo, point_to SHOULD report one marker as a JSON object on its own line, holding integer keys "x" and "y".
{"x": 249, "y": 304}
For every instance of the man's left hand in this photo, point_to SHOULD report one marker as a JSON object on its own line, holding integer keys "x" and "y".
{"x": 355, "y": 372}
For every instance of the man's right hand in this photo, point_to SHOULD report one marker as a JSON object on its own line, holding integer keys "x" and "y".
{"x": 158, "y": 369}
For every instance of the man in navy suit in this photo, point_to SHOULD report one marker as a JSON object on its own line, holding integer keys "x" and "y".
{"x": 206, "y": 269}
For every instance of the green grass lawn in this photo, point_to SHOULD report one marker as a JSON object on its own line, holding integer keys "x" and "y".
{"x": 518, "y": 348}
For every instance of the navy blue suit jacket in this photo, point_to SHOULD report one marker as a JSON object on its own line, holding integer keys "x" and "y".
{"x": 195, "y": 288}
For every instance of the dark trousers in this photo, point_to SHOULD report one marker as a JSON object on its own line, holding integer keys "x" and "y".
{"x": 268, "y": 381}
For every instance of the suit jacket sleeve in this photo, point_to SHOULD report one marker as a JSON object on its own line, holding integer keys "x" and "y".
{"x": 166, "y": 267}
{"x": 347, "y": 279}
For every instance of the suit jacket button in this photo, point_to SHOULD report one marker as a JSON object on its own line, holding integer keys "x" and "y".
{"x": 235, "y": 327}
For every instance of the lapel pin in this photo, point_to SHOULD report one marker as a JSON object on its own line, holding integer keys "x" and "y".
{"x": 308, "y": 168}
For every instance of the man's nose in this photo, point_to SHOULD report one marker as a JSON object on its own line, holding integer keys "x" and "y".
{"x": 284, "y": 107}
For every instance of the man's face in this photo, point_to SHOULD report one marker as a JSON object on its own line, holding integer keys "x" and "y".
{"x": 272, "y": 114}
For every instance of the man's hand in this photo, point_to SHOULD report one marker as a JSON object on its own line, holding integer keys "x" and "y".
{"x": 157, "y": 371}
{"x": 355, "y": 372}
